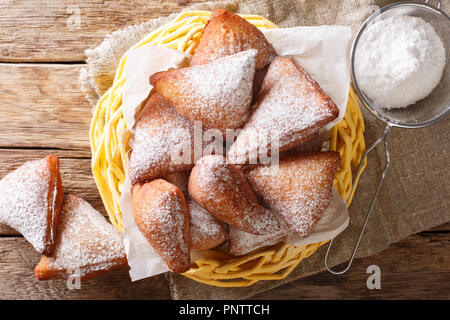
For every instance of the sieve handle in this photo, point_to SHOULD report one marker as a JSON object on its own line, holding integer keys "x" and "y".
{"x": 439, "y": 3}
{"x": 384, "y": 137}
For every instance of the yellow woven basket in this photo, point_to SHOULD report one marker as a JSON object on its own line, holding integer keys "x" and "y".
{"x": 109, "y": 145}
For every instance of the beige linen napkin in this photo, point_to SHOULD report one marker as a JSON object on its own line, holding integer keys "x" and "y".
{"x": 416, "y": 192}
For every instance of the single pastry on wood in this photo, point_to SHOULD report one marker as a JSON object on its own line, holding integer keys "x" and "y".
{"x": 227, "y": 33}
{"x": 289, "y": 110}
{"x": 218, "y": 93}
{"x": 222, "y": 190}
{"x": 206, "y": 231}
{"x": 298, "y": 189}
{"x": 30, "y": 201}
{"x": 161, "y": 214}
{"x": 86, "y": 244}
{"x": 163, "y": 142}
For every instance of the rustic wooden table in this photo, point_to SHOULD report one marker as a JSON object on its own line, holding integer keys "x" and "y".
{"x": 42, "y": 111}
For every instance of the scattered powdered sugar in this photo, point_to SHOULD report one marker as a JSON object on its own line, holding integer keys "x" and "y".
{"x": 24, "y": 202}
{"x": 218, "y": 93}
{"x": 222, "y": 190}
{"x": 206, "y": 231}
{"x": 162, "y": 138}
{"x": 399, "y": 60}
{"x": 85, "y": 240}
{"x": 290, "y": 108}
{"x": 298, "y": 189}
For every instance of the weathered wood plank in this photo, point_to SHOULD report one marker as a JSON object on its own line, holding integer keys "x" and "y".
{"x": 418, "y": 267}
{"x": 38, "y": 30}
{"x": 43, "y": 106}
{"x": 415, "y": 268}
{"x": 18, "y": 258}
{"x": 441, "y": 228}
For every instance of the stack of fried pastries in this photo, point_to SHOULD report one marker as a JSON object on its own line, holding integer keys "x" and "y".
{"x": 186, "y": 195}
{"x": 235, "y": 86}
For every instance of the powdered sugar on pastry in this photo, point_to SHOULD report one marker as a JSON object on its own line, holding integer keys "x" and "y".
{"x": 180, "y": 179}
{"x": 227, "y": 33}
{"x": 218, "y": 93}
{"x": 30, "y": 201}
{"x": 161, "y": 214}
{"x": 85, "y": 241}
{"x": 222, "y": 190}
{"x": 290, "y": 108}
{"x": 298, "y": 189}
{"x": 163, "y": 142}
{"x": 206, "y": 231}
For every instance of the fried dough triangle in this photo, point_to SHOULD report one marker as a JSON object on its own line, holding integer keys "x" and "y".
{"x": 86, "y": 244}
{"x": 161, "y": 136}
{"x": 227, "y": 33}
{"x": 218, "y": 93}
{"x": 30, "y": 201}
{"x": 161, "y": 214}
{"x": 298, "y": 189}
{"x": 289, "y": 110}
{"x": 221, "y": 189}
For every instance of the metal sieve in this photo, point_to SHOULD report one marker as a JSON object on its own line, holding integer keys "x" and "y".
{"x": 425, "y": 112}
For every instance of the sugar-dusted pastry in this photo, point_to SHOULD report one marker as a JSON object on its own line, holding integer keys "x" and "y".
{"x": 163, "y": 142}
{"x": 86, "y": 244}
{"x": 30, "y": 201}
{"x": 290, "y": 108}
{"x": 180, "y": 179}
{"x": 206, "y": 231}
{"x": 314, "y": 144}
{"x": 222, "y": 190}
{"x": 258, "y": 81}
{"x": 218, "y": 93}
{"x": 298, "y": 189}
{"x": 227, "y": 33}
{"x": 161, "y": 214}
{"x": 241, "y": 242}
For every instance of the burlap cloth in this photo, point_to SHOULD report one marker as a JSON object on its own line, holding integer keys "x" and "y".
{"x": 416, "y": 193}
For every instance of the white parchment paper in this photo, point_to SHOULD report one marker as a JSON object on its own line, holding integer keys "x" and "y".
{"x": 321, "y": 51}
{"x": 141, "y": 64}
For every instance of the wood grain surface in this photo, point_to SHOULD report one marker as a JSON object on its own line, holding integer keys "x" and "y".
{"x": 60, "y": 30}
{"x": 43, "y": 111}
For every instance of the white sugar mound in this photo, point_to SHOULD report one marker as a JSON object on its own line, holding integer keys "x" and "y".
{"x": 399, "y": 60}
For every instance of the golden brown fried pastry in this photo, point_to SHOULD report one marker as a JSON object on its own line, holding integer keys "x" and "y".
{"x": 30, "y": 201}
{"x": 163, "y": 142}
{"x": 86, "y": 244}
{"x": 161, "y": 214}
{"x": 290, "y": 108}
{"x": 206, "y": 231}
{"x": 298, "y": 189}
{"x": 180, "y": 179}
{"x": 227, "y": 33}
{"x": 218, "y": 93}
{"x": 221, "y": 189}
{"x": 312, "y": 145}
